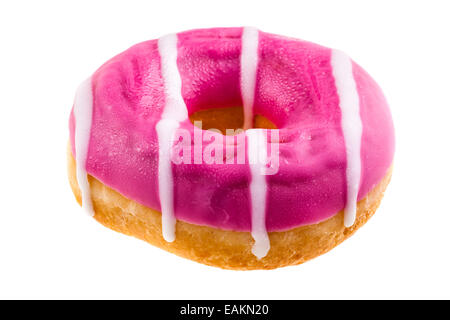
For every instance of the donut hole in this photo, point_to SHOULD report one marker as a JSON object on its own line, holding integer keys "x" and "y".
{"x": 227, "y": 120}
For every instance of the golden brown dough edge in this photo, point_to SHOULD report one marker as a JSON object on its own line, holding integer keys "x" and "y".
{"x": 222, "y": 248}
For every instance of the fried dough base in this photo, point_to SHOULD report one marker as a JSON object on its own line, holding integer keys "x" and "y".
{"x": 223, "y": 248}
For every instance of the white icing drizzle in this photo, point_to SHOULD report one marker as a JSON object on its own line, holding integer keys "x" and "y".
{"x": 249, "y": 65}
{"x": 257, "y": 142}
{"x": 257, "y": 156}
{"x": 82, "y": 111}
{"x": 174, "y": 112}
{"x": 351, "y": 128}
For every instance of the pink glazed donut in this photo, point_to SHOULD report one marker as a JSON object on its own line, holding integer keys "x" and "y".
{"x": 309, "y": 167}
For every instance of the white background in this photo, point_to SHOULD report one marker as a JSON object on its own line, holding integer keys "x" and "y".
{"x": 50, "y": 249}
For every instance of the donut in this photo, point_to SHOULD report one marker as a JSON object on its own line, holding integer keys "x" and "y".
{"x": 232, "y": 147}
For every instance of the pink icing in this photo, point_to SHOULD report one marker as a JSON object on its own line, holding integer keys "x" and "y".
{"x": 294, "y": 88}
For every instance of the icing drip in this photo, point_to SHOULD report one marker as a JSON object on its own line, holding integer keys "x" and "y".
{"x": 82, "y": 111}
{"x": 257, "y": 155}
{"x": 351, "y": 128}
{"x": 165, "y": 129}
{"x": 174, "y": 112}
{"x": 257, "y": 142}
{"x": 249, "y": 65}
